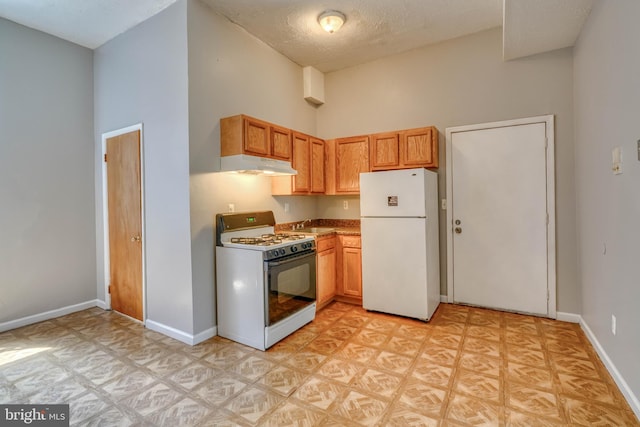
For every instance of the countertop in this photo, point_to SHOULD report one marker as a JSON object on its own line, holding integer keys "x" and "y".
{"x": 344, "y": 227}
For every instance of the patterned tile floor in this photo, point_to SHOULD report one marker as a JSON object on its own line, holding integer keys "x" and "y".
{"x": 467, "y": 367}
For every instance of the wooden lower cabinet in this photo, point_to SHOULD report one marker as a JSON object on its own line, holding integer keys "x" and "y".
{"x": 326, "y": 258}
{"x": 349, "y": 277}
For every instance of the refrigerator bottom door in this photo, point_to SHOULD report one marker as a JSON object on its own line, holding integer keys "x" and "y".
{"x": 394, "y": 267}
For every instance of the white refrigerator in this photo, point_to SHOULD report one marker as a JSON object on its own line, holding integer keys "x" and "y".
{"x": 400, "y": 245}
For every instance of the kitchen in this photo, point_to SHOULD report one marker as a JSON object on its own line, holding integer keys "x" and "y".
{"x": 183, "y": 190}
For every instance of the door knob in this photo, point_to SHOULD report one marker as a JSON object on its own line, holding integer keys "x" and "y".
{"x": 458, "y": 230}
{"x": 458, "y": 222}
{"x": 135, "y": 238}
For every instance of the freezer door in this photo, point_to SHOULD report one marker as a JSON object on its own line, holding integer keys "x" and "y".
{"x": 395, "y": 268}
{"x": 399, "y": 193}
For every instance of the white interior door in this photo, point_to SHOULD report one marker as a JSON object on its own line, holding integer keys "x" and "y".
{"x": 498, "y": 181}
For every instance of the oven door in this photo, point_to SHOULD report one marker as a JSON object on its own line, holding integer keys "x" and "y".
{"x": 290, "y": 285}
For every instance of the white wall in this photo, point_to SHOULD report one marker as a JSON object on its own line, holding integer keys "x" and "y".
{"x": 607, "y": 115}
{"x": 231, "y": 72}
{"x": 47, "y": 239}
{"x": 141, "y": 76}
{"x": 460, "y": 82}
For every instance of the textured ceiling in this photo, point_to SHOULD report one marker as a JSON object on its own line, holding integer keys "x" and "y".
{"x": 374, "y": 28}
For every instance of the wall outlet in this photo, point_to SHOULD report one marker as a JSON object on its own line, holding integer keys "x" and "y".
{"x": 231, "y": 207}
{"x": 286, "y": 207}
{"x": 613, "y": 324}
{"x": 444, "y": 204}
{"x": 345, "y": 204}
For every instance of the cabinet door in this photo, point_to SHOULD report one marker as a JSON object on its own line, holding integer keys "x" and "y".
{"x": 280, "y": 143}
{"x": 419, "y": 147}
{"x": 352, "y": 158}
{"x": 352, "y": 272}
{"x": 256, "y": 137}
{"x": 325, "y": 275}
{"x": 301, "y": 153}
{"x": 385, "y": 151}
{"x": 317, "y": 166}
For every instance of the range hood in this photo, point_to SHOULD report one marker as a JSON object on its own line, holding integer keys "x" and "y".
{"x": 242, "y": 163}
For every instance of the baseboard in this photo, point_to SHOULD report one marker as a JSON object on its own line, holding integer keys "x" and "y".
{"x": 102, "y": 304}
{"x": 632, "y": 399}
{"x": 205, "y": 335}
{"x": 51, "y": 314}
{"x": 568, "y": 317}
{"x": 444, "y": 298}
{"x": 181, "y": 335}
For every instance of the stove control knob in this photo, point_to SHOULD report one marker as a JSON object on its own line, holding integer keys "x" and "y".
{"x": 294, "y": 249}
{"x": 282, "y": 251}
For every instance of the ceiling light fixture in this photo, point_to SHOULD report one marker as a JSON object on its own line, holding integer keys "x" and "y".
{"x": 331, "y": 20}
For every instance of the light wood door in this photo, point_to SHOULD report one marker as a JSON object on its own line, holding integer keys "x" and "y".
{"x": 125, "y": 223}
{"x": 499, "y": 211}
{"x": 301, "y": 155}
{"x": 317, "y": 166}
{"x": 352, "y": 158}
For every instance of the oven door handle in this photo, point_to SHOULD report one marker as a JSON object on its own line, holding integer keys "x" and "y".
{"x": 285, "y": 261}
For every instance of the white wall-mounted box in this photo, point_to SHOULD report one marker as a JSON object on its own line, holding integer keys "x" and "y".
{"x": 313, "y": 85}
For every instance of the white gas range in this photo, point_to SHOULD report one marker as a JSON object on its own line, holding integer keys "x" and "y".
{"x": 265, "y": 282}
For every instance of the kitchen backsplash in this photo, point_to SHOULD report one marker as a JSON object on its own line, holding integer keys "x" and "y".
{"x": 335, "y": 223}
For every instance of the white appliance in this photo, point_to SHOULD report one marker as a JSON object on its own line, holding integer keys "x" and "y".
{"x": 265, "y": 282}
{"x": 400, "y": 245}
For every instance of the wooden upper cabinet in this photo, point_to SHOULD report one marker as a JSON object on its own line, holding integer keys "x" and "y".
{"x": 309, "y": 160}
{"x": 352, "y": 158}
{"x": 280, "y": 139}
{"x": 301, "y": 154}
{"x": 317, "y": 166}
{"x": 419, "y": 147}
{"x": 405, "y": 149}
{"x": 245, "y": 135}
{"x": 256, "y": 137}
{"x": 385, "y": 151}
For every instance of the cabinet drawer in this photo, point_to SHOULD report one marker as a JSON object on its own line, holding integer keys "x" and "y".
{"x": 350, "y": 241}
{"x": 324, "y": 243}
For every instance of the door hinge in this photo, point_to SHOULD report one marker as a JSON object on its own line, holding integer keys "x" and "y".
{"x": 109, "y": 289}
{"x": 105, "y": 157}
{"x": 546, "y": 142}
{"x": 547, "y": 295}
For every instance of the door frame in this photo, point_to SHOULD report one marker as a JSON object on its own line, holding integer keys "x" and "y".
{"x": 105, "y": 216}
{"x": 548, "y": 120}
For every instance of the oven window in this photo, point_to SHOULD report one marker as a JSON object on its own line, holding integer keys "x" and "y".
{"x": 291, "y": 286}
